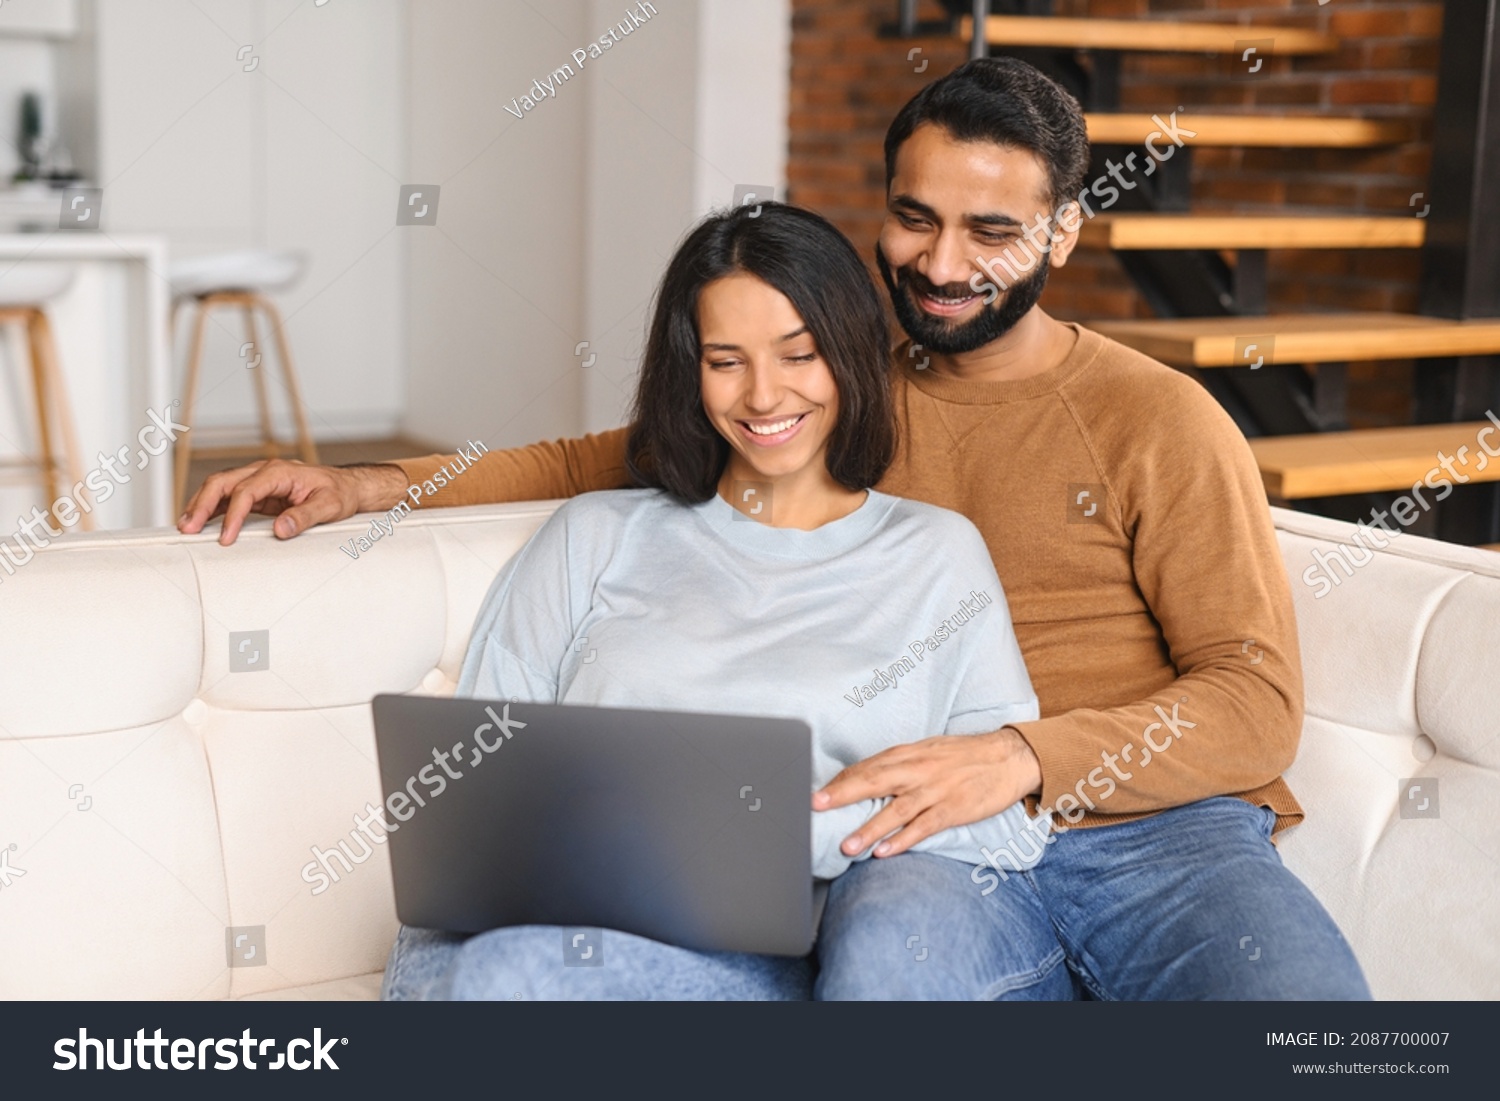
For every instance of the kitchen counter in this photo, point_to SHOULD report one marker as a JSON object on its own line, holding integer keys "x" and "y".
{"x": 111, "y": 331}
{"x": 29, "y": 209}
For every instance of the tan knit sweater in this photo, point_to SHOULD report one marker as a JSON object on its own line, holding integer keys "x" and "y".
{"x": 1130, "y": 530}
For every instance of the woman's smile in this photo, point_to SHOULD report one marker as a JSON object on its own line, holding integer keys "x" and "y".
{"x": 771, "y": 431}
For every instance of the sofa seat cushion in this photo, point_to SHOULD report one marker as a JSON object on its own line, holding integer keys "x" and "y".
{"x": 356, "y": 988}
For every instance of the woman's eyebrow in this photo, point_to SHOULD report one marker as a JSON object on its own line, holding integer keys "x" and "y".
{"x": 736, "y": 348}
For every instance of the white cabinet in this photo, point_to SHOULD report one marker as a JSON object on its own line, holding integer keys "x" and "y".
{"x": 49, "y": 18}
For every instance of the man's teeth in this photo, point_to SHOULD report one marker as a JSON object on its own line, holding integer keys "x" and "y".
{"x": 949, "y": 301}
{"x": 774, "y": 427}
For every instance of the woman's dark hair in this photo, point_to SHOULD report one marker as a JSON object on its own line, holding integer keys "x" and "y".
{"x": 1008, "y": 102}
{"x": 673, "y": 445}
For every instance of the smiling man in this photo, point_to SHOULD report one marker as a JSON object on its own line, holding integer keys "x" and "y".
{"x": 1128, "y": 524}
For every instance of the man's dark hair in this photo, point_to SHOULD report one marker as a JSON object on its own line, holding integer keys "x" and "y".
{"x": 672, "y": 444}
{"x": 1010, "y": 103}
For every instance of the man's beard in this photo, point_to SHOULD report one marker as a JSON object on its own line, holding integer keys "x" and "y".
{"x": 950, "y": 338}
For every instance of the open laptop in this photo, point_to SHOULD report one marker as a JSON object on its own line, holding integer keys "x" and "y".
{"x": 691, "y": 829}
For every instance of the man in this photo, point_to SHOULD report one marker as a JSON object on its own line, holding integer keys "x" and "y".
{"x": 1128, "y": 524}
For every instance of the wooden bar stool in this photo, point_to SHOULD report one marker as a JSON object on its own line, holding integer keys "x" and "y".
{"x": 24, "y": 291}
{"x": 242, "y": 281}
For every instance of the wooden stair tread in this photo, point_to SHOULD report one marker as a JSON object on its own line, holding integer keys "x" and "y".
{"x": 1241, "y": 231}
{"x": 1264, "y": 131}
{"x": 1154, "y": 35}
{"x": 1372, "y": 460}
{"x": 1304, "y": 338}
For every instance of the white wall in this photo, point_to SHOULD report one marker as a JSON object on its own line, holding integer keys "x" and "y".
{"x": 674, "y": 128}
{"x": 304, "y": 151}
{"x": 495, "y": 289}
{"x": 568, "y": 219}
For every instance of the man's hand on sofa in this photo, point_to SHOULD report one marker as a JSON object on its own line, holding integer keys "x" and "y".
{"x": 298, "y": 495}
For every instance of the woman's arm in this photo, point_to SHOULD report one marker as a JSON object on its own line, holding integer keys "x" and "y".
{"x": 526, "y": 625}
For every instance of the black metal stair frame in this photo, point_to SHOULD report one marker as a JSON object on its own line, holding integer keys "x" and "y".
{"x": 1461, "y": 256}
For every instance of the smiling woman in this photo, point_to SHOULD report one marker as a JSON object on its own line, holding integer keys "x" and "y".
{"x": 784, "y": 347}
{"x": 756, "y": 573}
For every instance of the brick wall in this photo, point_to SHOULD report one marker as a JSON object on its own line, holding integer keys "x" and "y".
{"x": 847, "y": 83}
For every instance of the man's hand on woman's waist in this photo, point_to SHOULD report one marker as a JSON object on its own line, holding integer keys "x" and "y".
{"x": 933, "y": 785}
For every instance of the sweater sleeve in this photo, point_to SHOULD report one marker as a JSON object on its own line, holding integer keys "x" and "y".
{"x": 527, "y": 621}
{"x": 1208, "y": 566}
{"x": 537, "y": 472}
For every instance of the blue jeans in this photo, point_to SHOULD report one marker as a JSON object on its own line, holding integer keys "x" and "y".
{"x": 1192, "y": 903}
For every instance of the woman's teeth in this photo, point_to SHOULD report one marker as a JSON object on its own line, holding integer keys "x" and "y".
{"x": 775, "y": 426}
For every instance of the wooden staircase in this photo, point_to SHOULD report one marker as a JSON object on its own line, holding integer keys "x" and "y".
{"x": 1269, "y": 132}
{"x": 1303, "y": 338}
{"x": 1376, "y": 460}
{"x": 1132, "y": 232}
{"x": 1283, "y": 377}
{"x": 1143, "y": 35}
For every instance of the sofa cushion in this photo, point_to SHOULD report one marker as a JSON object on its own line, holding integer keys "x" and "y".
{"x": 124, "y": 892}
{"x": 101, "y": 635}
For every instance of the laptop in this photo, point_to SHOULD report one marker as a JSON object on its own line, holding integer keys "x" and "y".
{"x": 690, "y": 829}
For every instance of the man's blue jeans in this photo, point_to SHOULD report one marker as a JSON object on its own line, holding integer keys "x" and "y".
{"x": 1193, "y": 903}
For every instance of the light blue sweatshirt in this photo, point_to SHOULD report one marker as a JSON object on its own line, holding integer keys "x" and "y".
{"x": 883, "y": 627}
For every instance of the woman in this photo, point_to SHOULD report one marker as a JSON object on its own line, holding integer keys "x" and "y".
{"x": 757, "y": 572}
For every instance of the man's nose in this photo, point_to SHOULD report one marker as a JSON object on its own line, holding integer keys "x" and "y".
{"x": 947, "y": 262}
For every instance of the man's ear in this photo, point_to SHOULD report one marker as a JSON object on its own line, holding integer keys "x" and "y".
{"x": 1065, "y": 227}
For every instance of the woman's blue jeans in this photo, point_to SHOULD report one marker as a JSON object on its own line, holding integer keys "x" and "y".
{"x": 1193, "y": 903}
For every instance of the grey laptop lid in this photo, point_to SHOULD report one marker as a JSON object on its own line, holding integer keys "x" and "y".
{"x": 691, "y": 829}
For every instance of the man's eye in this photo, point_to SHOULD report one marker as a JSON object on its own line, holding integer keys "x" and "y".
{"x": 909, "y": 222}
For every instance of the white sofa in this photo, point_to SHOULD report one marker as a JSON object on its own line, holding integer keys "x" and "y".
{"x": 151, "y": 798}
